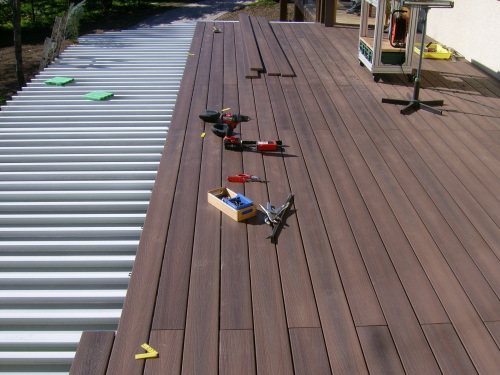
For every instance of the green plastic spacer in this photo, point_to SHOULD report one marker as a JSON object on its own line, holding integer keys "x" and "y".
{"x": 98, "y": 95}
{"x": 59, "y": 81}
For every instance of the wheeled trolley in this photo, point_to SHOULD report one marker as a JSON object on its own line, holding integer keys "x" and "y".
{"x": 375, "y": 50}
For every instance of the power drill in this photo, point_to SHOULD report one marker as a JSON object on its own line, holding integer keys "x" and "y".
{"x": 223, "y": 123}
{"x": 236, "y": 144}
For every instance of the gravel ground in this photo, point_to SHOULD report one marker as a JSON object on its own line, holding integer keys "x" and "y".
{"x": 208, "y": 10}
{"x": 271, "y": 13}
{"x": 204, "y": 10}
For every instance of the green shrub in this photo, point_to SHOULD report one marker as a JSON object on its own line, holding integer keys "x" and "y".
{"x": 75, "y": 14}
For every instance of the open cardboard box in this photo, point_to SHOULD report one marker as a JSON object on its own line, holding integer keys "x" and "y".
{"x": 235, "y": 205}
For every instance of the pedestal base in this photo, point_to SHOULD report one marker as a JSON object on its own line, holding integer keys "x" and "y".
{"x": 414, "y": 105}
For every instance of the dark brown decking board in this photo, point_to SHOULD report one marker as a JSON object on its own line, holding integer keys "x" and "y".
{"x": 236, "y": 305}
{"x": 464, "y": 126}
{"x": 266, "y": 53}
{"x": 457, "y": 121}
{"x": 468, "y": 191}
{"x": 424, "y": 298}
{"x": 236, "y": 301}
{"x": 471, "y": 79}
{"x": 416, "y": 125}
{"x": 169, "y": 344}
{"x": 250, "y": 43}
{"x": 307, "y": 76}
{"x": 389, "y": 249}
{"x": 200, "y": 354}
{"x": 174, "y": 284}
{"x": 380, "y": 353}
{"x": 456, "y": 246}
{"x": 229, "y": 66}
{"x": 298, "y": 294}
{"x": 172, "y": 296}
{"x": 300, "y": 304}
{"x": 244, "y": 66}
{"x": 135, "y": 322}
{"x": 405, "y": 329}
{"x": 470, "y": 150}
{"x": 237, "y": 354}
{"x": 284, "y": 66}
{"x": 451, "y": 210}
{"x": 309, "y": 351}
{"x": 463, "y": 320}
{"x": 494, "y": 328}
{"x": 442, "y": 172}
{"x": 92, "y": 355}
{"x": 448, "y": 349}
{"x": 273, "y": 354}
{"x": 359, "y": 290}
{"x": 491, "y": 263}
{"x": 330, "y": 297}
{"x": 464, "y": 99}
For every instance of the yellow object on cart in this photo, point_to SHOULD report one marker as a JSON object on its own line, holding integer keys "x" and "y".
{"x": 438, "y": 51}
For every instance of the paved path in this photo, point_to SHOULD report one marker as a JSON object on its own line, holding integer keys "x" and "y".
{"x": 197, "y": 11}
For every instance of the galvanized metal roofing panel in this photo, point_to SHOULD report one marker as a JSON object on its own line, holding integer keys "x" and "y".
{"x": 75, "y": 182}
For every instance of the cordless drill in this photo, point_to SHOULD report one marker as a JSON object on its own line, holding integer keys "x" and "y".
{"x": 223, "y": 123}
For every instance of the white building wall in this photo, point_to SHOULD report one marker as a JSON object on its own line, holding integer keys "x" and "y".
{"x": 472, "y": 28}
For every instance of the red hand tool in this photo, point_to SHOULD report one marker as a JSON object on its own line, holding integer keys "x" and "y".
{"x": 236, "y": 144}
{"x": 244, "y": 178}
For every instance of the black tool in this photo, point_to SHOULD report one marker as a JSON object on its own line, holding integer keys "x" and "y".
{"x": 274, "y": 217}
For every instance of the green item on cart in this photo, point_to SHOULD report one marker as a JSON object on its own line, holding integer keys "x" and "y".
{"x": 98, "y": 95}
{"x": 59, "y": 81}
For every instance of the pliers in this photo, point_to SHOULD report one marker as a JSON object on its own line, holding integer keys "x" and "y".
{"x": 274, "y": 217}
{"x": 245, "y": 178}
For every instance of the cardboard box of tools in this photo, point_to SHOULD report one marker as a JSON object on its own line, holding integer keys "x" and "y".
{"x": 235, "y": 205}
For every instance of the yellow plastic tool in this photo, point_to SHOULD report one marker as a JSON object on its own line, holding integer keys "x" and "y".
{"x": 150, "y": 352}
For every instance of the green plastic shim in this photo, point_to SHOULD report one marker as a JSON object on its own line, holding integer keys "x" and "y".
{"x": 98, "y": 95}
{"x": 59, "y": 81}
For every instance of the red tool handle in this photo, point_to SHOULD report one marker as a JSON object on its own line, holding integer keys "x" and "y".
{"x": 240, "y": 178}
{"x": 267, "y": 146}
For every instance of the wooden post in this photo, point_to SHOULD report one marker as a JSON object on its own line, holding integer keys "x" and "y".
{"x": 52, "y": 46}
{"x": 283, "y": 10}
{"x": 319, "y": 10}
{"x": 298, "y": 15}
{"x": 330, "y": 12}
{"x": 335, "y": 7}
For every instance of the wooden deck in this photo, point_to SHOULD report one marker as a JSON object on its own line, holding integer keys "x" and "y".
{"x": 388, "y": 263}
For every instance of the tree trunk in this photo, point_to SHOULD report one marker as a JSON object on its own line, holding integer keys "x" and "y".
{"x": 16, "y": 22}
{"x": 33, "y": 13}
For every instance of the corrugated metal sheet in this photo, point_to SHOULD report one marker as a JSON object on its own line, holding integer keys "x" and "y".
{"x": 75, "y": 181}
